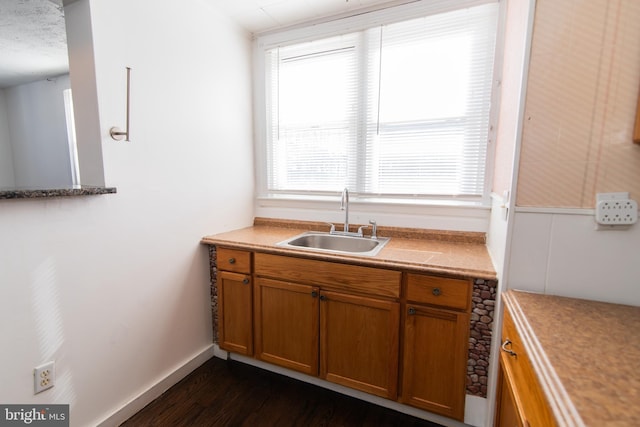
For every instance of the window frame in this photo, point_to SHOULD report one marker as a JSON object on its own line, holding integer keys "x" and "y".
{"x": 298, "y": 34}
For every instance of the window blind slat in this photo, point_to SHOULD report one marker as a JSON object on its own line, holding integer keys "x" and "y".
{"x": 399, "y": 109}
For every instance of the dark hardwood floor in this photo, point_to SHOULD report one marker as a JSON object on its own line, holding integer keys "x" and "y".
{"x": 229, "y": 393}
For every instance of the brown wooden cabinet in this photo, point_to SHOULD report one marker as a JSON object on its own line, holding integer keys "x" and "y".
{"x": 520, "y": 400}
{"x": 286, "y": 324}
{"x": 507, "y": 414}
{"x": 434, "y": 363}
{"x": 359, "y": 342}
{"x": 235, "y": 301}
{"x": 235, "y": 312}
{"x": 302, "y": 303}
{"x": 435, "y": 347}
{"x": 346, "y": 339}
{"x": 344, "y": 323}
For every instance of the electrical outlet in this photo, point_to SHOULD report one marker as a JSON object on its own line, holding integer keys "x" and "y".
{"x": 44, "y": 377}
{"x": 616, "y": 209}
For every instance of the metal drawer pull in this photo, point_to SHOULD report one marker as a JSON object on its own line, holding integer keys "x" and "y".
{"x": 510, "y": 352}
{"x": 245, "y": 281}
{"x": 232, "y": 260}
{"x": 412, "y": 310}
{"x": 314, "y": 294}
{"x": 436, "y": 291}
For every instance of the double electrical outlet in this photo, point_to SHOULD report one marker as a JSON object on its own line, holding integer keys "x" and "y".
{"x": 44, "y": 377}
{"x": 616, "y": 209}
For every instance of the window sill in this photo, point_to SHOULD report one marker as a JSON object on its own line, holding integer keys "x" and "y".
{"x": 458, "y": 215}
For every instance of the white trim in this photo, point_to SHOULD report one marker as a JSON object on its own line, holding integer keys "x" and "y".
{"x": 349, "y": 14}
{"x": 134, "y": 405}
{"x": 557, "y": 211}
{"x": 350, "y": 23}
{"x": 511, "y": 210}
{"x": 458, "y": 217}
{"x": 365, "y": 18}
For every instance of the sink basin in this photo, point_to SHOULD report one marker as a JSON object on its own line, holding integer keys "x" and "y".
{"x": 336, "y": 243}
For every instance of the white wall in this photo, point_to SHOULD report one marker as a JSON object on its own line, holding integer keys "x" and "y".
{"x": 567, "y": 156}
{"x": 518, "y": 16}
{"x": 115, "y": 288}
{"x": 38, "y": 133}
{"x": 6, "y": 154}
{"x": 562, "y": 253}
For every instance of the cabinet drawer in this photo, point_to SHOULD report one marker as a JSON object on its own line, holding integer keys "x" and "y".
{"x": 442, "y": 291}
{"x": 530, "y": 401}
{"x": 330, "y": 275}
{"x": 234, "y": 260}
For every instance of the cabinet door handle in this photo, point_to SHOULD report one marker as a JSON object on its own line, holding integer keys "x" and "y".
{"x": 436, "y": 291}
{"x": 232, "y": 260}
{"x": 245, "y": 280}
{"x": 510, "y": 352}
{"x": 314, "y": 294}
{"x": 412, "y": 310}
{"x": 323, "y": 298}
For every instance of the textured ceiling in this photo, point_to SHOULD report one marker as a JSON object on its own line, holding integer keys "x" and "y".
{"x": 33, "y": 41}
{"x": 33, "y": 37}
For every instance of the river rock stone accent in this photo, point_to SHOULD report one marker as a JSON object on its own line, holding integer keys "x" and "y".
{"x": 483, "y": 301}
{"x": 482, "y": 314}
{"x": 213, "y": 271}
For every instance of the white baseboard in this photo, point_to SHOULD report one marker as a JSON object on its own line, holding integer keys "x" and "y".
{"x": 220, "y": 353}
{"x": 143, "y": 399}
{"x": 475, "y": 404}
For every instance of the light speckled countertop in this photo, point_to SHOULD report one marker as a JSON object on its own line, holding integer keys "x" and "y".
{"x": 453, "y": 253}
{"x": 586, "y": 355}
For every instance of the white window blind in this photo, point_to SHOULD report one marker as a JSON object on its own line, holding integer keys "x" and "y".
{"x": 398, "y": 110}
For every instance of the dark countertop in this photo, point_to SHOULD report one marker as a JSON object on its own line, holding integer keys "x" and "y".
{"x": 31, "y": 193}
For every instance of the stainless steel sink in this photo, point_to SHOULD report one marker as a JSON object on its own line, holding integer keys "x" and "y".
{"x": 336, "y": 243}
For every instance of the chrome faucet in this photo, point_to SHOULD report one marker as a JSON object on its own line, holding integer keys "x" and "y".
{"x": 344, "y": 206}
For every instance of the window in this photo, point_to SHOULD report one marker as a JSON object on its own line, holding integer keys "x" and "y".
{"x": 399, "y": 110}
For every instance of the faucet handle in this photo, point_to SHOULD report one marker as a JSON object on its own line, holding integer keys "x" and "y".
{"x": 333, "y": 228}
{"x": 374, "y": 230}
{"x": 360, "y": 230}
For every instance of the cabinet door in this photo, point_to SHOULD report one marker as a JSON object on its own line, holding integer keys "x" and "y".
{"x": 286, "y": 324}
{"x": 529, "y": 399}
{"x": 435, "y": 360}
{"x": 359, "y": 343}
{"x": 507, "y": 414}
{"x": 235, "y": 313}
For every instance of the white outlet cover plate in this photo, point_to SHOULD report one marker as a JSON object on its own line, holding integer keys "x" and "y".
{"x": 44, "y": 377}
{"x": 616, "y": 209}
